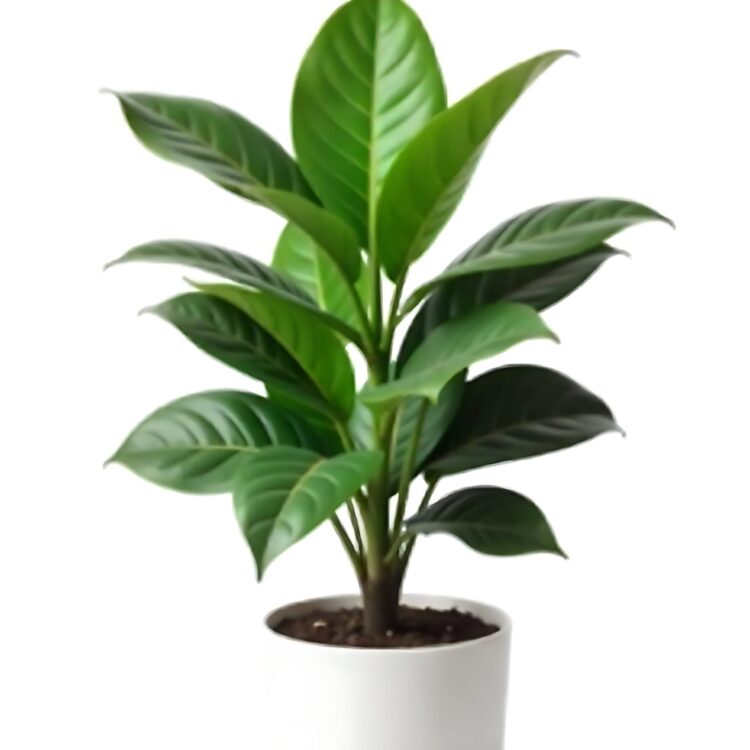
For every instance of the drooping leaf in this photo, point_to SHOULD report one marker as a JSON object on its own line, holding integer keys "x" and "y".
{"x": 430, "y": 176}
{"x": 537, "y": 286}
{"x": 543, "y": 235}
{"x": 313, "y": 346}
{"x": 282, "y": 494}
{"x": 196, "y": 443}
{"x": 490, "y": 520}
{"x": 518, "y": 412}
{"x": 223, "y": 146}
{"x": 456, "y": 345}
{"x": 368, "y": 84}
{"x": 301, "y": 259}
{"x": 235, "y": 267}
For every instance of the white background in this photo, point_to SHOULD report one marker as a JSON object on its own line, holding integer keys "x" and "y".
{"x": 129, "y": 614}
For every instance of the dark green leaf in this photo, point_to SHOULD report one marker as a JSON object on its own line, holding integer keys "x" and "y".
{"x": 315, "y": 349}
{"x": 368, "y": 84}
{"x": 490, "y": 520}
{"x": 543, "y": 235}
{"x": 518, "y": 412}
{"x": 430, "y": 176}
{"x": 196, "y": 443}
{"x": 282, "y": 494}
{"x": 537, "y": 286}
{"x": 456, "y": 345}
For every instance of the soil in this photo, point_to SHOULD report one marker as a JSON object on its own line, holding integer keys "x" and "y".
{"x": 417, "y": 628}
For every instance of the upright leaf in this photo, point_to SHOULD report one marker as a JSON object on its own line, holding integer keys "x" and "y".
{"x": 235, "y": 267}
{"x": 196, "y": 443}
{"x": 543, "y": 235}
{"x": 223, "y": 146}
{"x": 429, "y": 178}
{"x": 315, "y": 349}
{"x": 366, "y": 87}
{"x": 539, "y": 286}
{"x": 490, "y": 520}
{"x": 518, "y": 412}
{"x": 456, "y": 345}
{"x": 282, "y": 494}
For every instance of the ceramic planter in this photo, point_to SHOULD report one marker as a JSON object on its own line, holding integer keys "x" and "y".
{"x": 440, "y": 698}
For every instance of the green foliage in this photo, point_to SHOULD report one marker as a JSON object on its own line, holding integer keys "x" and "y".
{"x": 382, "y": 162}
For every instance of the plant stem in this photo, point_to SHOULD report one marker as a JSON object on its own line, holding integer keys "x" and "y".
{"x": 431, "y": 487}
{"x": 390, "y": 330}
{"x": 348, "y": 546}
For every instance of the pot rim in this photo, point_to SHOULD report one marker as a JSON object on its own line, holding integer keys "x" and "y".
{"x": 488, "y": 612}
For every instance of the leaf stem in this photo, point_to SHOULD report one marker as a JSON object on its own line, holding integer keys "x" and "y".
{"x": 349, "y": 547}
{"x": 431, "y": 487}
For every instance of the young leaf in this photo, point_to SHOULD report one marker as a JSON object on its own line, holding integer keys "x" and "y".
{"x": 226, "y": 148}
{"x": 196, "y": 443}
{"x": 282, "y": 494}
{"x": 368, "y": 84}
{"x": 429, "y": 178}
{"x": 301, "y": 259}
{"x": 539, "y": 287}
{"x": 518, "y": 412}
{"x": 456, "y": 345}
{"x": 235, "y": 267}
{"x": 316, "y": 350}
{"x": 543, "y": 235}
{"x": 490, "y": 520}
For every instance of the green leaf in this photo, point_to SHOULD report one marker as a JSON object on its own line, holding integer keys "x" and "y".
{"x": 196, "y": 443}
{"x": 301, "y": 259}
{"x": 543, "y": 235}
{"x": 313, "y": 346}
{"x": 282, "y": 494}
{"x": 437, "y": 419}
{"x": 519, "y": 412}
{"x": 490, "y": 520}
{"x": 226, "y": 148}
{"x": 430, "y": 176}
{"x": 367, "y": 86}
{"x": 538, "y": 286}
{"x": 214, "y": 141}
{"x": 456, "y": 345}
{"x": 236, "y": 267}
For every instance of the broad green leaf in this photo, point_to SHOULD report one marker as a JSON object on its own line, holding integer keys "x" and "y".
{"x": 538, "y": 286}
{"x": 313, "y": 346}
{"x": 366, "y": 87}
{"x": 235, "y": 267}
{"x": 229, "y": 150}
{"x": 437, "y": 419}
{"x": 543, "y": 235}
{"x": 456, "y": 345}
{"x": 430, "y": 176}
{"x": 282, "y": 494}
{"x": 490, "y": 520}
{"x": 214, "y": 141}
{"x": 301, "y": 259}
{"x": 518, "y": 412}
{"x": 196, "y": 443}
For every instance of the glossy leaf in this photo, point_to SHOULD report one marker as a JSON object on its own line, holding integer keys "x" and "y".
{"x": 429, "y": 178}
{"x": 519, "y": 412}
{"x": 543, "y": 235}
{"x": 490, "y": 520}
{"x": 456, "y": 345}
{"x": 368, "y": 84}
{"x": 236, "y": 267}
{"x": 282, "y": 494}
{"x": 196, "y": 443}
{"x": 539, "y": 286}
{"x": 226, "y": 148}
{"x": 301, "y": 259}
{"x": 315, "y": 349}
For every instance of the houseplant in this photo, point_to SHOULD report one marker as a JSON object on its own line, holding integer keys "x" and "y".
{"x": 381, "y": 164}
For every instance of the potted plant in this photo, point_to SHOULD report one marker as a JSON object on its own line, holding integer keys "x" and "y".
{"x": 381, "y": 164}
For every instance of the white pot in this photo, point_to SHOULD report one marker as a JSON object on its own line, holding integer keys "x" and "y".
{"x": 438, "y": 698}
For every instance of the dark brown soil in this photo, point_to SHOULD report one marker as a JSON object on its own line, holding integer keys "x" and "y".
{"x": 417, "y": 628}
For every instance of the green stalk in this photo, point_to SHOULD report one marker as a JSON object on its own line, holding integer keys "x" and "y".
{"x": 410, "y": 545}
{"x": 349, "y": 547}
